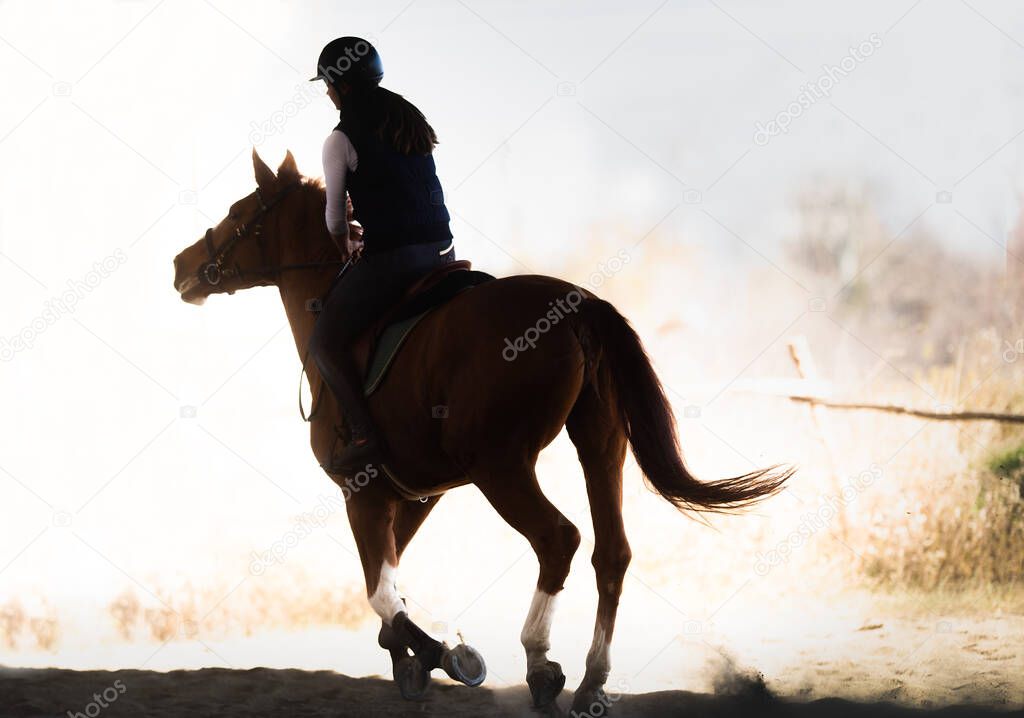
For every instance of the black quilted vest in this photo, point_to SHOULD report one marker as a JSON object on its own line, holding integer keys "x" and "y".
{"x": 396, "y": 198}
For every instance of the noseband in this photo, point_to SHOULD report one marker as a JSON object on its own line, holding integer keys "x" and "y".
{"x": 217, "y": 269}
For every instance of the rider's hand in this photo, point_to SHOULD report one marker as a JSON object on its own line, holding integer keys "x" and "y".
{"x": 351, "y": 247}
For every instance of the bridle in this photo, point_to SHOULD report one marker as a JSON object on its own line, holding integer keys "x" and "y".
{"x": 217, "y": 269}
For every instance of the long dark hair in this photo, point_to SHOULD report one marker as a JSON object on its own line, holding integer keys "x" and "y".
{"x": 390, "y": 118}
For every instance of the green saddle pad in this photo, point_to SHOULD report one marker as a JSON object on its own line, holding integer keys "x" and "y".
{"x": 391, "y": 340}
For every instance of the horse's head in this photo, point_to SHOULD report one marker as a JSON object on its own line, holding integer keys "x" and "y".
{"x": 243, "y": 250}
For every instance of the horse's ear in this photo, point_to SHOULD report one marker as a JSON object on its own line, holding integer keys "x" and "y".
{"x": 288, "y": 172}
{"x": 265, "y": 178}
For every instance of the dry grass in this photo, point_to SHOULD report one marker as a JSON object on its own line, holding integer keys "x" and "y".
{"x": 958, "y": 516}
{"x": 212, "y": 610}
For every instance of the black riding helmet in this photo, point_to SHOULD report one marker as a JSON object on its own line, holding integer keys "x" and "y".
{"x": 351, "y": 59}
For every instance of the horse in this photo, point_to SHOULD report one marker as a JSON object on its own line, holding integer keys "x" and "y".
{"x": 481, "y": 385}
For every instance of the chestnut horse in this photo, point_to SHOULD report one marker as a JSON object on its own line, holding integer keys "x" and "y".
{"x": 481, "y": 385}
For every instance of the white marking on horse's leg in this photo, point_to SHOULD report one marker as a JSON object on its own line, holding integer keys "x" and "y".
{"x": 385, "y": 600}
{"x": 537, "y": 629}
{"x": 598, "y": 664}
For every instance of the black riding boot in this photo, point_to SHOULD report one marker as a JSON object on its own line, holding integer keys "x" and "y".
{"x": 363, "y": 447}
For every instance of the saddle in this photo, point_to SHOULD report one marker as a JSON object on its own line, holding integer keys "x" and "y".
{"x": 375, "y": 350}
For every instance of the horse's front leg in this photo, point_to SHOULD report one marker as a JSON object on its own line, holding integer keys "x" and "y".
{"x": 372, "y": 512}
{"x": 409, "y": 516}
{"x": 379, "y": 524}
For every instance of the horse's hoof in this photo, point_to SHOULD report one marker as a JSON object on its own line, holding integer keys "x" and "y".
{"x": 464, "y": 664}
{"x": 412, "y": 679}
{"x": 545, "y": 683}
{"x": 593, "y": 702}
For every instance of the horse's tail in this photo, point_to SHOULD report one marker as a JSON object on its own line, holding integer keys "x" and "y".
{"x": 646, "y": 415}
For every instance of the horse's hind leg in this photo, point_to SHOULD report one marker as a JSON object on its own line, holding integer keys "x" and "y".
{"x": 596, "y": 430}
{"x": 516, "y": 496}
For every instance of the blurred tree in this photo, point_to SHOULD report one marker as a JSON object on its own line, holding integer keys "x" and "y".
{"x": 908, "y": 297}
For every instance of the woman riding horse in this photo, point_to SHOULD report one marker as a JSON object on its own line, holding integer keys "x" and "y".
{"x": 588, "y": 374}
{"x": 379, "y": 155}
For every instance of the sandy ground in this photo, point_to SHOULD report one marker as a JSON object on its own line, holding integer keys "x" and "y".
{"x": 266, "y": 692}
{"x": 894, "y": 667}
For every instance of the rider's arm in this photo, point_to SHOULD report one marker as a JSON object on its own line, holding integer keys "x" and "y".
{"x": 339, "y": 157}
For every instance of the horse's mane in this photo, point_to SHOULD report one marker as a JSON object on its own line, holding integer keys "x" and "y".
{"x": 320, "y": 243}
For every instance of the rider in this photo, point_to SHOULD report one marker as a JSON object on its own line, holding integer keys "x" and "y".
{"x": 380, "y": 155}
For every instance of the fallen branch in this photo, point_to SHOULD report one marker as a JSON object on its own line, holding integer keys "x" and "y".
{"x": 895, "y": 409}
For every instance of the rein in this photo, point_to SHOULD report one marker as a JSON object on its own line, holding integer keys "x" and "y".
{"x": 216, "y": 270}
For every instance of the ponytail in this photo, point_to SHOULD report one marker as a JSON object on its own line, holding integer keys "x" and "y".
{"x": 390, "y": 118}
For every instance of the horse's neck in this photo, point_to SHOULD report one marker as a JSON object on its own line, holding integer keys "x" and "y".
{"x": 298, "y": 289}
